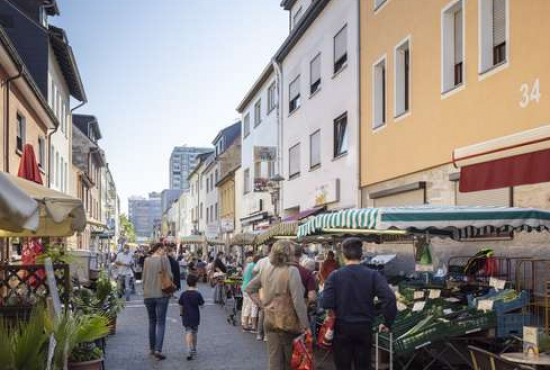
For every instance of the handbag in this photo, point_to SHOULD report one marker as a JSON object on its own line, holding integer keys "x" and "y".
{"x": 279, "y": 314}
{"x": 166, "y": 284}
{"x": 302, "y": 352}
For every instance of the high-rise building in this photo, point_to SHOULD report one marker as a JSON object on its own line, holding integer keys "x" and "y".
{"x": 182, "y": 161}
{"x": 144, "y": 213}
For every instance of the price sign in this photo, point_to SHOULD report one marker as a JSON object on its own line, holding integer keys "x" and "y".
{"x": 452, "y": 300}
{"x": 497, "y": 283}
{"x": 434, "y": 293}
{"x": 419, "y": 306}
{"x": 401, "y": 307}
{"x": 485, "y": 304}
{"x": 447, "y": 311}
{"x": 419, "y": 294}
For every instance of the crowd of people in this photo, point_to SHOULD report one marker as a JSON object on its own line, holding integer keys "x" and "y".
{"x": 285, "y": 293}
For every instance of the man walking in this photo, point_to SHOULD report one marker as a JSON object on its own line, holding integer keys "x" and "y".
{"x": 349, "y": 295}
{"x": 124, "y": 262}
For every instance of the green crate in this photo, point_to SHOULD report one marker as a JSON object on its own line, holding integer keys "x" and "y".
{"x": 476, "y": 321}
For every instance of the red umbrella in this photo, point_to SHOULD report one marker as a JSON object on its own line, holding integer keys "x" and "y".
{"x": 28, "y": 168}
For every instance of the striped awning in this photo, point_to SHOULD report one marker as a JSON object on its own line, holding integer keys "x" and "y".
{"x": 456, "y": 222}
{"x": 243, "y": 239}
{"x": 283, "y": 229}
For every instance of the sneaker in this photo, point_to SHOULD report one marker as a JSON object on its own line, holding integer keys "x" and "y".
{"x": 246, "y": 329}
{"x": 159, "y": 356}
{"x": 259, "y": 337}
{"x": 253, "y": 330}
{"x": 189, "y": 358}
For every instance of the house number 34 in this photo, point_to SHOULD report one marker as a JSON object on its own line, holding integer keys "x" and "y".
{"x": 530, "y": 93}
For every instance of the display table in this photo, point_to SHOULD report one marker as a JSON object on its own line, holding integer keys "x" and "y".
{"x": 518, "y": 357}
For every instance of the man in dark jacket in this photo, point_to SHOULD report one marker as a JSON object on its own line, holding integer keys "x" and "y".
{"x": 174, "y": 266}
{"x": 349, "y": 295}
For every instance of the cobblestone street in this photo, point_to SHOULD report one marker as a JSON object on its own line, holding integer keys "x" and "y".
{"x": 220, "y": 345}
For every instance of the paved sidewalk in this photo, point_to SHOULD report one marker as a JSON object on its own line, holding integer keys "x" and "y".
{"x": 220, "y": 346}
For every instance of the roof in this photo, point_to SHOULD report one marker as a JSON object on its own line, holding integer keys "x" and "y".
{"x": 230, "y": 133}
{"x": 300, "y": 29}
{"x": 83, "y": 121}
{"x": 264, "y": 77}
{"x": 12, "y": 51}
{"x": 51, "y": 7}
{"x": 67, "y": 62}
{"x": 202, "y": 158}
{"x": 288, "y": 4}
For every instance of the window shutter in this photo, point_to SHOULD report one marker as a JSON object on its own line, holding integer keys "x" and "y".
{"x": 315, "y": 142}
{"x": 316, "y": 69}
{"x": 499, "y": 22}
{"x": 294, "y": 160}
{"x": 294, "y": 88}
{"x": 458, "y": 35}
{"x": 340, "y": 43}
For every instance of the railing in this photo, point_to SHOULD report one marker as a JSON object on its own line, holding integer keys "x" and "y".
{"x": 506, "y": 267}
{"x": 24, "y": 286}
{"x": 533, "y": 276}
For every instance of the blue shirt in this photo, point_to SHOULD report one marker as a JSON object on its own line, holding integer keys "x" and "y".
{"x": 191, "y": 300}
{"x": 247, "y": 276}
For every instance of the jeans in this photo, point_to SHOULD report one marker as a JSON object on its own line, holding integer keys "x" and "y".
{"x": 156, "y": 310}
{"x": 126, "y": 281}
{"x": 352, "y": 345}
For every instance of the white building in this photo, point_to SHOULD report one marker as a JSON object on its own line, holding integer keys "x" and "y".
{"x": 260, "y": 132}
{"x": 211, "y": 210}
{"x": 319, "y": 107}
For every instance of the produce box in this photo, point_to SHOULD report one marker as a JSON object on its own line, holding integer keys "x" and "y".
{"x": 469, "y": 322}
{"x": 502, "y": 304}
{"x": 512, "y": 324}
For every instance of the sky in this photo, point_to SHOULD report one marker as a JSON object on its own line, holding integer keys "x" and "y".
{"x": 163, "y": 73}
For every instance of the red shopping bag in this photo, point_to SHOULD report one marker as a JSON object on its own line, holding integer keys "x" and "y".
{"x": 326, "y": 333}
{"x": 302, "y": 352}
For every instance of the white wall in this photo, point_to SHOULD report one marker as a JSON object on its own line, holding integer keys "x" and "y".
{"x": 61, "y": 141}
{"x": 210, "y": 200}
{"x": 338, "y": 94}
{"x": 304, "y": 4}
{"x": 265, "y": 134}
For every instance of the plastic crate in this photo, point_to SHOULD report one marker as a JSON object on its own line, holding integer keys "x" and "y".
{"x": 512, "y": 324}
{"x": 432, "y": 334}
{"x": 475, "y": 321}
{"x": 500, "y": 307}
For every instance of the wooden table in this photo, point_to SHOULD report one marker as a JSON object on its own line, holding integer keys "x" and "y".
{"x": 519, "y": 358}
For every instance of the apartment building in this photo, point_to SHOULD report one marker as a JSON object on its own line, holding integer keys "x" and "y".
{"x": 197, "y": 196}
{"x": 182, "y": 161}
{"x": 444, "y": 84}
{"x": 319, "y": 106}
{"x": 146, "y": 216}
{"x": 259, "y": 156}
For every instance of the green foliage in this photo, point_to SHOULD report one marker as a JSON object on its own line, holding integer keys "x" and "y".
{"x": 86, "y": 352}
{"x": 57, "y": 254}
{"x": 23, "y": 345}
{"x": 104, "y": 301}
{"x": 127, "y": 229}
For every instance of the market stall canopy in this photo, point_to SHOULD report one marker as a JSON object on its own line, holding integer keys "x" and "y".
{"x": 508, "y": 161}
{"x": 29, "y": 209}
{"x": 243, "y": 239}
{"x": 282, "y": 229}
{"x": 455, "y": 222}
{"x": 200, "y": 239}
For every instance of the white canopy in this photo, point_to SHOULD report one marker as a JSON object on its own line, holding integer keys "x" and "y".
{"x": 29, "y": 209}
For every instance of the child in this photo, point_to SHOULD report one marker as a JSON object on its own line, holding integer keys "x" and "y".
{"x": 190, "y": 301}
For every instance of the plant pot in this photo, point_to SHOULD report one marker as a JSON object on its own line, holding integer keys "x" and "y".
{"x": 86, "y": 365}
{"x": 112, "y": 326}
{"x": 94, "y": 274}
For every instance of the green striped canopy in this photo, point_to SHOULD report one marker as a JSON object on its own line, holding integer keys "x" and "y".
{"x": 457, "y": 221}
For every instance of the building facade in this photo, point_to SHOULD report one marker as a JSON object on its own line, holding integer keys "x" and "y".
{"x": 319, "y": 106}
{"x": 260, "y": 154}
{"x": 182, "y": 161}
{"x": 449, "y": 75}
{"x": 145, "y": 214}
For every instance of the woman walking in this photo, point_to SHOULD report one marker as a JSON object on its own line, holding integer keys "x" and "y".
{"x": 156, "y": 300}
{"x": 283, "y": 304}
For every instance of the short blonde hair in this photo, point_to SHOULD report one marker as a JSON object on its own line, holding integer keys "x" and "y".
{"x": 280, "y": 253}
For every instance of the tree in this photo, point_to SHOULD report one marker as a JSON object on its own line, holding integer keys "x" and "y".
{"x": 127, "y": 230}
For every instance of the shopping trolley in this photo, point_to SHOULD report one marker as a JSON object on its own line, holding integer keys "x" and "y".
{"x": 233, "y": 299}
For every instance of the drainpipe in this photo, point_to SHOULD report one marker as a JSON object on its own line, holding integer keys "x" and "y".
{"x": 359, "y": 190}
{"x": 7, "y": 83}
{"x": 279, "y": 78}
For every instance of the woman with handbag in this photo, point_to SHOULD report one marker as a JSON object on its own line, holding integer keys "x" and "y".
{"x": 157, "y": 290}
{"x": 285, "y": 312}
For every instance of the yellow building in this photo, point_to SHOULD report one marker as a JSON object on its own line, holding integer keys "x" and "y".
{"x": 439, "y": 75}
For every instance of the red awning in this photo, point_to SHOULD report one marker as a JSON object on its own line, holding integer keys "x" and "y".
{"x": 28, "y": 168}
{"x": 523, "y": 169}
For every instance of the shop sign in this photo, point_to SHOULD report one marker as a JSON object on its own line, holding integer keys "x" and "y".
{"x": 328, "y": 192}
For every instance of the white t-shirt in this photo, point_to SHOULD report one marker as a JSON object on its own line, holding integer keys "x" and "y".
{"x": 261, "y": 265}
{"x": 127, "y": 259}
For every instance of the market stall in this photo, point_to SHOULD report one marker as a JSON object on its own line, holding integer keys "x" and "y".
{"x": 438, "y": 320}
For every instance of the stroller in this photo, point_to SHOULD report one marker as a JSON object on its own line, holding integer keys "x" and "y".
{"x": 233, "y": 301}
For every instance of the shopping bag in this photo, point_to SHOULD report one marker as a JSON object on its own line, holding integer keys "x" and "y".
{"x": 302, "y": 352}
{"x": 326, "y": 333}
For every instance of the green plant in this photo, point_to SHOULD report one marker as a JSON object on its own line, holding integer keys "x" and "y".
{"x": 56, "y": 253}
{"x": 86, "y": 352}
{"x": 23, "y": 344}
{"x": 104, "y": 301}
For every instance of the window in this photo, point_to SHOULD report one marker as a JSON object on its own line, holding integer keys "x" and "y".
{"x": 61, "y": 174}
{"x": 452, "y": 48}
{"x": 379, "y": 94}
{"x": 207, "y": 184}
{"x": 216, "y": 176}
{"x": 52, "y": 164}
{"x": 216, "y": 211}
{"x": 57, "y": 169}
{"x": 294, "y": 161}
{"x": 294, "y": 95}
{"x": 315, "y": 149}
{"x": 246, "y": 180}
{"x": 207, "y": 214}
{"x": 271, "y": 97}
{"x": 340, "y": 49}
{"x": 257, "y": 113}
{"x": 21, "y": 132}
{"x": 246, "y": 125}
{"x": 296, "y": 17}
{"x": 315, "y": 74}
{"x": 378, "y": 3}
{"x": 341, "y": 135}
{"x": 493, "y": 33}
{"x": 211, "y": 213}
{"x": 258, "y": 170}
{"x": 211, "y": 182}
{"x": 41, "y": 153}
{"x": 201, "y": 209}
{"x": 402, "y": 78}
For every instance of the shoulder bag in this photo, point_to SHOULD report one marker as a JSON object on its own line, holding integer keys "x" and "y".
{"x": 166, "y": 283}
{"x": 280, "y": 314}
